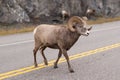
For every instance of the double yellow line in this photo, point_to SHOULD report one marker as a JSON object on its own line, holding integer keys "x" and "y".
{"x": 40, "y": 66}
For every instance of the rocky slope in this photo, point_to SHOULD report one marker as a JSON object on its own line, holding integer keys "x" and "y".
{"x": 47, "y": 11}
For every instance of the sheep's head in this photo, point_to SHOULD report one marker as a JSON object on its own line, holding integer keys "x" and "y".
{"x": 77, "y": 24}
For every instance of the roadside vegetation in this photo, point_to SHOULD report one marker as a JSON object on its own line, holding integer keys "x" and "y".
{"x": 21, "y": 28}
{"x": 16, "y": 28}
{"x": 103, "y": 20}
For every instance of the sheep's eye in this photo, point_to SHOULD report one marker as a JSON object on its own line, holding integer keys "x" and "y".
{"x": 81, "y": 25}
{"x": 73, "y": 26}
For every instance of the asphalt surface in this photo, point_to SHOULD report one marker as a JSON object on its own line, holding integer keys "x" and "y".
{"x": 16, "y": 53}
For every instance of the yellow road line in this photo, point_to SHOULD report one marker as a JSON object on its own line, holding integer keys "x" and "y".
{"x": 40, "y": 66}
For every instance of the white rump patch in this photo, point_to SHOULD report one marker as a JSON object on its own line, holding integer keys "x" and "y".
{"x": 34, "y": 31}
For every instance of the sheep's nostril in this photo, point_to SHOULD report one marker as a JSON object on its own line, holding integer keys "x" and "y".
{"x": 87, "y": 33}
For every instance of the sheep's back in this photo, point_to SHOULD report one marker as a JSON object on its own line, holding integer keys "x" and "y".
{"x": 47, "y": 34}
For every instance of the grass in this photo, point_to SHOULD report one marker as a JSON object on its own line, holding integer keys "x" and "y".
{"x": 16, "y": 28}
{"x": 13, "y": 31}
{"x": 103, "y": 20}
{"x": 21, "y": 28}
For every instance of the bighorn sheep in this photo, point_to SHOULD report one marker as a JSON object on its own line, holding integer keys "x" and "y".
{"x": 90, "y": 12}
{"x": 65, "y": 15}
{"x": 60, "y": 37}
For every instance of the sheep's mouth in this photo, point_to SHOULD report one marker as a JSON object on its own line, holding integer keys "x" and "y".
{"x": 86, "y": 34}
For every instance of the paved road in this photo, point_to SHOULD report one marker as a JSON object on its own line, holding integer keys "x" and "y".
{"x": 16, "y": 53}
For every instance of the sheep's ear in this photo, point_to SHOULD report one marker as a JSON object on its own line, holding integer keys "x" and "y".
{"x": 74, "y": 25}
{"x": 72, "y": 28}
{"x": 85, "y": 18}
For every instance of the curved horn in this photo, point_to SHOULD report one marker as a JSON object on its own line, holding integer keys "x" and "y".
{"x": 72, "y": 21}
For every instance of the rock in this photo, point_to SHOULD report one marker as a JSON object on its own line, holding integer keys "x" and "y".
{"x": 11, "y": 12}
{"x": 49, "y": 11}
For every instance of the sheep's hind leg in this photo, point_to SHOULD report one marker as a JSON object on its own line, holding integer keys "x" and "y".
{"x": 34, "y": 53}
{"x": 59, "y": 55}
{"x": 45, "y": 60}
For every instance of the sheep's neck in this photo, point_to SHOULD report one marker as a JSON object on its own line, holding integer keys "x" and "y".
{"x": 74, "y": 37}
{"x": 70, "y": 39}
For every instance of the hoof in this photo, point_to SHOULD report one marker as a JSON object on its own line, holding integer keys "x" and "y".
{"x": 55, "y": 67}
{"x": 71, "y": 71}
{"x": 36, "y": 65}
{"x": 46, "y": 63}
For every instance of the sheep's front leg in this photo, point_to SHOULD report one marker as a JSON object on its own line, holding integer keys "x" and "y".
{"x": 67, "y": 58}
{"x": 59, "y": 55}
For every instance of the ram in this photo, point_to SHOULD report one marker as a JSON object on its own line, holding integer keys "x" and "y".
{"x": 60, "y": 37}
{"x": 65, "y": 15}
{"x": 90, "y": 13}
